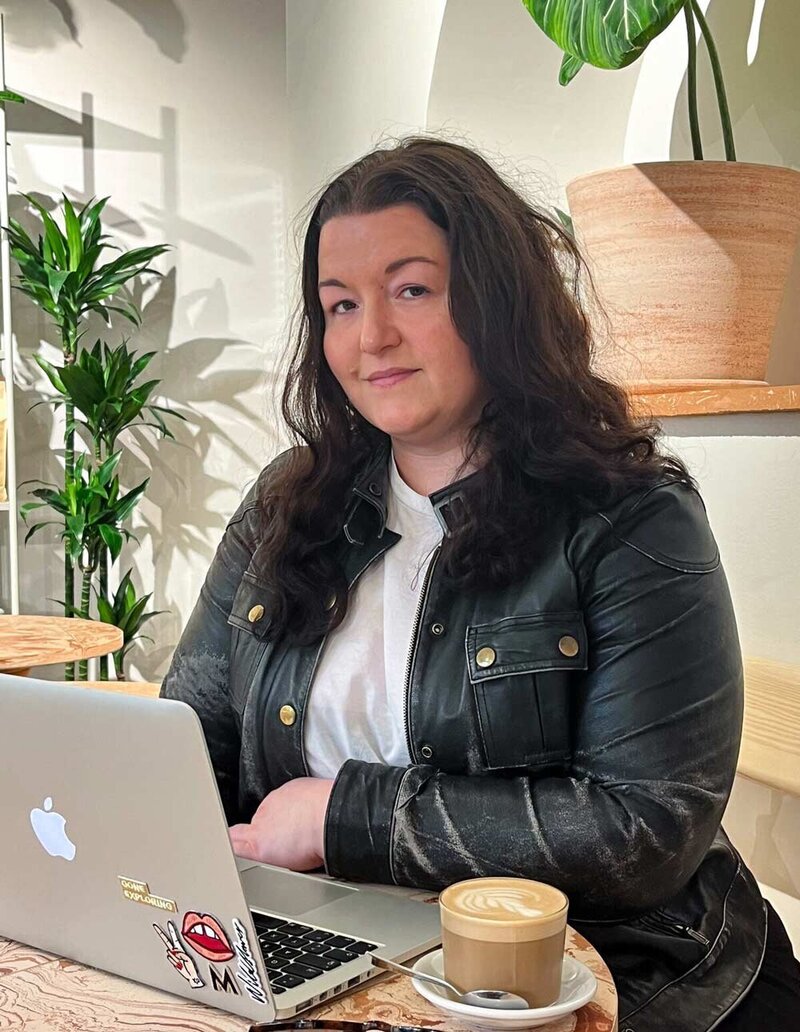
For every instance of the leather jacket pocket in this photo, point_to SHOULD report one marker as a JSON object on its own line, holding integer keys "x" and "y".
{"x": 520, "y": 669}
{"x": 249, "y": 620}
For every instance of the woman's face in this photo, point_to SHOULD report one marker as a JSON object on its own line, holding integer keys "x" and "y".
{"x": 389, "y": 339}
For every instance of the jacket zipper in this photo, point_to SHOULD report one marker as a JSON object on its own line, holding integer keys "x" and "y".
{"x": 317, "y": 658}
{"x": 412, "y": 650}
{"x": 664, "y": 924}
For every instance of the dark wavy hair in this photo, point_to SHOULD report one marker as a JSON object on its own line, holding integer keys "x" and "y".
{"x": 557, "y": 439}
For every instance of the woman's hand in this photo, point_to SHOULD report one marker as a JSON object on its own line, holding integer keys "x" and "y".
{"x": 288, "y": 828}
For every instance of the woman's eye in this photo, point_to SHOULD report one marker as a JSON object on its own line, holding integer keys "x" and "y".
{"x": 335, "y": 308}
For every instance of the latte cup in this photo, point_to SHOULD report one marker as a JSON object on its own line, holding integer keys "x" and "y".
{"x": 504, "y": 933}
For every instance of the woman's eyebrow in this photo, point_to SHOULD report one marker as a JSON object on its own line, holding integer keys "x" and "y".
{"x": 391, "y": 267}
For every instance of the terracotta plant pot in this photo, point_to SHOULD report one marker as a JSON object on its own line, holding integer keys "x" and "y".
{"x": 690, "y": 261}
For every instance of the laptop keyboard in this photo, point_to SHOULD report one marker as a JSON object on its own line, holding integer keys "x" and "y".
{"x": 296, "y": 953}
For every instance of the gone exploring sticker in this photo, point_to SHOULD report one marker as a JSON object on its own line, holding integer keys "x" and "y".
{"x": 138, "y": 892}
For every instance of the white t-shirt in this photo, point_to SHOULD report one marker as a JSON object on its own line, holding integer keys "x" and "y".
{"x": 356, "y": 705}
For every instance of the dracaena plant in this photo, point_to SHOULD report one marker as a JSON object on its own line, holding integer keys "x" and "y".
{"x": 93, "y": 511}
{"x": 64, "y": 273}
{"x": 614, "y": 33}
{"x": 102, "y": 387}
{"x": 101, "y": 384}
{"x": 126, "y": 611}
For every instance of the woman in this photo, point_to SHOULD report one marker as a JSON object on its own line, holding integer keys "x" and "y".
{"x": 477, "y": 623}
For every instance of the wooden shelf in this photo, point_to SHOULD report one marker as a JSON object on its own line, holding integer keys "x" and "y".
{"x": 707, "y": 401}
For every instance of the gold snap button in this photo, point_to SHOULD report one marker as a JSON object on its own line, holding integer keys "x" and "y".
{"x": 255, "y": 614}
{"x": 486, "y": 656}
{"x": 287, "y": 715}
{"x": 331, "y": 602}
{"x": 568, "y": 646}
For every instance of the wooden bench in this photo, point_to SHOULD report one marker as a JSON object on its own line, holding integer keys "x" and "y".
{"x": 770, "y": 751}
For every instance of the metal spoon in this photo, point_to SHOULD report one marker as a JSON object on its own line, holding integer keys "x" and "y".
{"x": 497, "y": 998}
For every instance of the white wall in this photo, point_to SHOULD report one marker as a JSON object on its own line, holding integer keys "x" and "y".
{"x": 358, "y": 72}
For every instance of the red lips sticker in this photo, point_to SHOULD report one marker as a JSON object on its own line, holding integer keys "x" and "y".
{"x": 206, "y": 936}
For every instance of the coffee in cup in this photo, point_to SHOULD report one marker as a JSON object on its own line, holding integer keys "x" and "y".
{"x": 504, "y": 933}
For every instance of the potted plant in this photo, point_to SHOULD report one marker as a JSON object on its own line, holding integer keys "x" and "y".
{"x": 101, "y": 394}
{"x": 689, "y": 258}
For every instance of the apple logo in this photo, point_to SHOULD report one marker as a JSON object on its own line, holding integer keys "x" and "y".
{"x": 48, "y": 827}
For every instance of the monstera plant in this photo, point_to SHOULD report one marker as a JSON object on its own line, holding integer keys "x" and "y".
{"x": 689, "y": 258}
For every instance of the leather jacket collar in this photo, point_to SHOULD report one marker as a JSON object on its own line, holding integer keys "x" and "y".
{"x": 367, "y": 509}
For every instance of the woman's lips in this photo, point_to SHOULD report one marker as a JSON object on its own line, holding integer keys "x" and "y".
{"x": 390, "y": 381}
{"x": 206, "y": 936}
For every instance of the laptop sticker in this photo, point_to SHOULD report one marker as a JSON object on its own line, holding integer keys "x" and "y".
{"x": 178, "y": 957}
{"x": 206, "y": 936}
{"x": 139, "y": 892}
{"x": 246, "y": 967}
{"x": 223, "y": 982}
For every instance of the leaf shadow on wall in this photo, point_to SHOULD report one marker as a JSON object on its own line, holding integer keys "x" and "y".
{"x": 181, "y": 510}
{"x": 44, "y": 24}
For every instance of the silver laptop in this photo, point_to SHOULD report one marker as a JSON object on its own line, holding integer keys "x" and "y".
{"x": 116, "y": 854}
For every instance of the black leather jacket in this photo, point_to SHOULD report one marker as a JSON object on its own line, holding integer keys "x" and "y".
{"x": 580, "y": 727}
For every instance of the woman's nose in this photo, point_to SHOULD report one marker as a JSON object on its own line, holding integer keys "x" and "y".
{"x": 377, "y": 331}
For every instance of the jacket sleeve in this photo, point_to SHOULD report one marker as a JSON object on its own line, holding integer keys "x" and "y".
{"x": 656, "y": 727}
{"x": 198, "y": 673}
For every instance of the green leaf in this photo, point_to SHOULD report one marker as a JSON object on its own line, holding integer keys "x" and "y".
{"x": 53, "y": 374}
{"x": 12, "y": 96}
{"x": 82, "y": 388}
{"x": 141, "y": 363}
{"x": 603, "y": 33}
{"x": 566, "y": 221}
{"x": 109, "y": 468}
{"x": 130, "y": 260}
{"x": 76, "y": 524}
{"x": 55, "y": 280}
{"x": 37, "y": 526}
{"x": 87, "y": 263}
{"x": 55, "y": 237}
{"x": 90, "y": 218}
{"x": 112, "y": 538}
{"x": 19, "y": 238}
{"x": 104, "y": 610}
{"x": 142, "y": 393}
{"x": 570, "y": 66}
{"x": 74, "y": 236}
{"x": 134, "y": 617}
{"x": 128, "y": 311}
{"x": 126, "y": 504}
{"x": 33, "y": 268}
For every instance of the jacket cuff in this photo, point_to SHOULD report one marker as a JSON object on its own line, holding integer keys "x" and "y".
{"x": 359, "y": 820}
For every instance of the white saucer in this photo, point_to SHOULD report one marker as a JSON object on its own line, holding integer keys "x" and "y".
{"x": 578, "y": 986}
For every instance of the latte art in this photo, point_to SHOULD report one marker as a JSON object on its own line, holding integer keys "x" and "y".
{"x": 513, "y": 903}
{"x": 483, "y": 902}
{"x": 504, "y": 932}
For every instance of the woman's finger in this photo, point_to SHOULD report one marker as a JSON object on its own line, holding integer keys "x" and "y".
{"x": 243, "y": 841}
